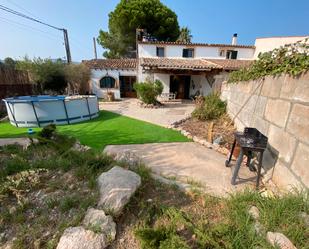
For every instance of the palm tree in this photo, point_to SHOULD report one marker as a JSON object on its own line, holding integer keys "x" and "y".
{"x": 185, "y": 35}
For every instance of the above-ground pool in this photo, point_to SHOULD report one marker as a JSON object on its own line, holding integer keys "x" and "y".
{"x": 41, "y": 110}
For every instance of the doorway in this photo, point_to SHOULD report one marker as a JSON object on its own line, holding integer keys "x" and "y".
{"x": 180, "y": 84}
{"x": 126, "y": 86}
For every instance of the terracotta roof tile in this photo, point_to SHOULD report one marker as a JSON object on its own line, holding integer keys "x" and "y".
{"x": 111, "y": 63}
{"x": 196, "y": 44}
{"x": 231, "y": 64}
{"x": 189, "y": 64}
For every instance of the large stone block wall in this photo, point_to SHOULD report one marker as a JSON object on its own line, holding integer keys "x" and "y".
{"x": 279, "y": 108}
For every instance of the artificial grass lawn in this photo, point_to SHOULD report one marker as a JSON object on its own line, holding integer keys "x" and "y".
{"x": 108, "y": 128}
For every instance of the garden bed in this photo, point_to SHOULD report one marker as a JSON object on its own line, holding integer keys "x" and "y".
{"x": 222, "y": 128}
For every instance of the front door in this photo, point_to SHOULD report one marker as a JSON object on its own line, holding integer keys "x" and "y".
{"x": 180, "y": 84}
{"x": 126, "y": 86}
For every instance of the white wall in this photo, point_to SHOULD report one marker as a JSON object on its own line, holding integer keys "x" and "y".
{"x": 200, "y": 84}
{"x": 165, "y": 79}
{"x": 175, "y": 51}
{"x": 267, "y": 44}
{"x": 96, "y": 75}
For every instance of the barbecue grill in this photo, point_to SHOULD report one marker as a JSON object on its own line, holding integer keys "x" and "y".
{"x": 250, "y": 140}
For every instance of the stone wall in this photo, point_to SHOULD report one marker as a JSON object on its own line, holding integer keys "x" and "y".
{"x": 279, "y": 108}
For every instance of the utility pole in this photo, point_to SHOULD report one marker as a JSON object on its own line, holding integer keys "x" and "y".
{"x": 67, "y": 45}
{"x": 95, "y": 48}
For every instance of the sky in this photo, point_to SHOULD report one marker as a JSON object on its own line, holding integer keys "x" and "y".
{"x": 209, "y": 21}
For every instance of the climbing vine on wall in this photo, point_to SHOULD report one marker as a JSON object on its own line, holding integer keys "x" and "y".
{"x": 292, "y": 59}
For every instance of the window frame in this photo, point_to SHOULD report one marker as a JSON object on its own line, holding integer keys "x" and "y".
{"x": 157, "y": 51}
{"x": 188, "y": 49}
{"x": 113, "y": 81}
{"x": 231, "y": 54}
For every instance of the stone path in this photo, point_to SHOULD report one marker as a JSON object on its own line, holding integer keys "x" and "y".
{"x": 188, "y": 161}
{"x": 165, "y": 116}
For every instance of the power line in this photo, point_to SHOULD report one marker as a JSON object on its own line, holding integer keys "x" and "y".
{"x": 2, "y": 7}
{"x": 65, "y": 32}
{"x": 17, "y": 24}
{"x": 22, "y": 8}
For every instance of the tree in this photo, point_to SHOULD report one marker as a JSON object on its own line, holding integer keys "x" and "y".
{"x": 78, "y": 76}
{"x": 9, "y": 63}
{"x": 47, "y": 74}
{"x": 152, "y": 15}
{"x": 185, "y": 35}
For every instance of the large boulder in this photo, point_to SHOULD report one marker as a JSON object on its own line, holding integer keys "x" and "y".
{"x": 116, "y": 187}
{"x": 80, "y": 238}
{"x": 96, "y": 219}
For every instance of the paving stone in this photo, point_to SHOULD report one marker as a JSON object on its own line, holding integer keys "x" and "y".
{"x": 116, "y": 187}
{"x": 283, "y": 142}
{"x": 279, "y": 240}
{"x": 277, "y": 111}
{"x": 298, "y": 123}
{"x": 301, "y": 162}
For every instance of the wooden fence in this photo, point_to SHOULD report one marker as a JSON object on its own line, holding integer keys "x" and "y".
{"x": 13, "y": 83}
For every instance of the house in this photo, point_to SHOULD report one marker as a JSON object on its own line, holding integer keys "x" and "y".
{"x": 185, "y": 69}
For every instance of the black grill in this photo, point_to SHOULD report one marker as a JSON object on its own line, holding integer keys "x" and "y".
{"x": 250, "y": 140}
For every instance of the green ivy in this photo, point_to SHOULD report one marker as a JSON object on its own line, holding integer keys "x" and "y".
{"x": 291, "y": 59}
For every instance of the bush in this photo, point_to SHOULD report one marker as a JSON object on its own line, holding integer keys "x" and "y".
{"x": 47, "y": 74}
{"x": 149, "y": 91}
{"x": 78, "y": 76}
{"x": 48, "y": 131}
{"x": 212, "y": 108}
{"x": 292, "y": 59}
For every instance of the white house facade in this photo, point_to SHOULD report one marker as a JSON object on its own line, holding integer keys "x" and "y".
{"x": 185, "y": 69}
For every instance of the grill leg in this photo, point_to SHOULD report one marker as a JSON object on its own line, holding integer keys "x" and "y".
{"x": 259, "y": 170}
{"x": 227, "y": 162}
{"x": 237, "y": 167}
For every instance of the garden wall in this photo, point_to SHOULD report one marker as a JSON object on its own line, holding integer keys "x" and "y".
{"x": 279, "y": 108}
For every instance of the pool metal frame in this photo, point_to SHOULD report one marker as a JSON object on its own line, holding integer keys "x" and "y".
{"x": 67, "y": 119}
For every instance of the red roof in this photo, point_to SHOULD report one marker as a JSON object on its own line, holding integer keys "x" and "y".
{"x": 111, "y": 63}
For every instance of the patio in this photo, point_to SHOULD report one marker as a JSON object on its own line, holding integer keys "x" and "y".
{"x": 165, "y": 116}
{"x": 189, "y": 162}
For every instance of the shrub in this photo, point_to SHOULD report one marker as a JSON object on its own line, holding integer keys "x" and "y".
{"x": 212, "y": 108}
{"x": 78, "y": 76}
{"x": 292, "y": 59}
{"x": 48, "y": 131}
{"x": 149, "y": 91}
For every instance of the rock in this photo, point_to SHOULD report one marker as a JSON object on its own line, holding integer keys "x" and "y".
{"x": 254, "y": 212}
{"x": 279, "y": 240}
{"x": 80, "y": 238}
{"x": 305, "y": 217}
{"x": 95, "y": 218}
{"x": 79, "y": 147}
{"x": 218, "y": 141}
{"x": 259, "y": 228}
{"x": 116, "y": 187}
{"x": 127, "y": 157}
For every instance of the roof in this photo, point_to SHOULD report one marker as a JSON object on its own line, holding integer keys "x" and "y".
{"x": 195, "y": 44}
{"x": 194, "y": 64}
{"x": 111, "y": 63}
{"x": 228, "y": 64}
{"x": 168, "y": 63}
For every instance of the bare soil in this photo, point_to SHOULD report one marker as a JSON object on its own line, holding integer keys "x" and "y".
{"x": 222, "y": 127}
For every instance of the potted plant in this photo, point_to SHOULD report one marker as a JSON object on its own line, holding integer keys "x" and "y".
{"x": 110, "y": 96}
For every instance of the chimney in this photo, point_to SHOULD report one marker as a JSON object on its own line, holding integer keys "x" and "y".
{"x": 234, "y": 39}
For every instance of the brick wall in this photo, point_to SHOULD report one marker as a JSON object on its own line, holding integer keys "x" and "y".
{"x": 279, "y": 108}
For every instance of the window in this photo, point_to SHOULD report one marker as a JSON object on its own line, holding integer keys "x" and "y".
{"x": 188, "y": 53}
{"x": 107, "y": 82}
{"x": 160, "y": 52}
{"x": 222, "y": 53}
{"x": 231, "y": 54}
